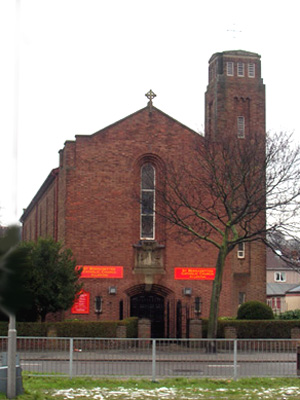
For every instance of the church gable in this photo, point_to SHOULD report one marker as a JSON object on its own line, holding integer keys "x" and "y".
{"x": 145, "y": 121}
{"x": 105, "y": 170}
{"x": 146, "y": 131}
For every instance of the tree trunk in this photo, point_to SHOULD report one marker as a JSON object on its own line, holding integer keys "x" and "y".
{"x": 43, "y": 316}
{"x": 216, "y": 291}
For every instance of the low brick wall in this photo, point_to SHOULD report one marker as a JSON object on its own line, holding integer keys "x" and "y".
{"x": 144, "y": 328}
{"x": 295, "y": 333}
{"x": 230, "y": 332}
{"x": 195, "y": 329}
{"x": 121, "y": 331}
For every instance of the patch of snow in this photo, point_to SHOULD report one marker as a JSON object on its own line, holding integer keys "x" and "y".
{"x": 168, "y": 393}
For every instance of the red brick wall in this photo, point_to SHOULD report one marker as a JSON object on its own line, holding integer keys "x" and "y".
{"x": 99, "y": 217}
{"x": 102, "y": 206}
{"x": 41, "y": 217}
{"x": 93, "y": 208}
{"x": 102, "y": 213}
{"x": 230, "y": 96}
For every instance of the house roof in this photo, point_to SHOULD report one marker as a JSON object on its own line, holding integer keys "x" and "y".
{"x": 294, "y": 290}
{"x": 280, "y": 289}
{"x": 50, "y": 178}
{"x": 275, "y": 262}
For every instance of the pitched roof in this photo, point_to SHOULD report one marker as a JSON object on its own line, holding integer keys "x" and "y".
{"x": 280, "y": 289}
{"x": 142, "y": 110}
{"x": 294, "y": 290}
{"x": 55, "y": 171}
{"x": 50, "y": 178}
{"x": 276, "y": 262}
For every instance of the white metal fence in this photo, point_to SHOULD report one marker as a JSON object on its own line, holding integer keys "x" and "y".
{"x": 155, "y": 358}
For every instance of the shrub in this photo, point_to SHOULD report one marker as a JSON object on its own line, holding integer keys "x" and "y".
{"x": 101, "y": 329}
{"x": 292, "y": 314}
{"x": 255, "y": 310}
{"x": 258, "y": 329}
{"x": 131, "y": 324}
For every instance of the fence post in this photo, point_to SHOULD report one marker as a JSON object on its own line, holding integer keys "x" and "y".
{"x": 71, "y": 359}
{"x": 153, "y": 360}
{"x": 235, "y": 359}
{"x": 298, "y": 360}
{"x": 11, "y": 357}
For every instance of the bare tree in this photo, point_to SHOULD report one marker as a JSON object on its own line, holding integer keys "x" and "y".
{"x": 221, "y": 192}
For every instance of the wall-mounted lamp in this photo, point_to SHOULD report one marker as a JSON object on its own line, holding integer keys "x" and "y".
{"x": 187, "y": 291}
{"x": 112, "y": 290}
{"x": 198, "y": 305}
{"x": 98, "y": 304}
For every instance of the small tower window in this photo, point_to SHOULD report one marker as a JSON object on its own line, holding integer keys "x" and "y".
{"x": 241, "y": 250}
{"x": 241, "y": 127}
{"x": 251, "y": 70}
{"x": 147, "y": 201}
{"x": 240, "y": 69}
{"x": 230, "y": 71}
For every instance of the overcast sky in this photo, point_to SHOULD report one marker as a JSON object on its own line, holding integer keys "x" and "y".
{"x": 84, "y": 64}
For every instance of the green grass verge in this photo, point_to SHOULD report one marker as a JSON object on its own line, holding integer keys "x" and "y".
{"x": 39, "y": 388}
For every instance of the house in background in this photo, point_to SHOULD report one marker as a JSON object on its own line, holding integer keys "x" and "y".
{"x": 283, "y": 284}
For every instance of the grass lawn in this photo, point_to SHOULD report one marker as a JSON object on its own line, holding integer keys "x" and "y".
{"x": 169, "y": 389}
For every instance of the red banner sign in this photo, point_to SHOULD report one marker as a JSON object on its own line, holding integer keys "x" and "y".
{"x": 99, "y": 271}
{"x": 82, "y": 304}
{"x": 195, "y": 274}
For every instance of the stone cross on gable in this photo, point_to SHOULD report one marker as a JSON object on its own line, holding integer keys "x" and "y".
{"x": 150, "y": 95}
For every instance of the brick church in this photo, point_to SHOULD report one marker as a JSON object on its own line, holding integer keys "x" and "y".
{"x": 132, "y": 264}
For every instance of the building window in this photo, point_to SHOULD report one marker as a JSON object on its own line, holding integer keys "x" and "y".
{"x": 279, "y": 276}
{"x": 230, "y": 71}
{"x": 269, "y": 302}
{"x": 240, "y": 69}
{"x": 276, "y": 304}
{"x": 198, "y": 304}
{"x": 241, "y": 250}
{"x": 242, "y": 298}
{"x": 147, "y": 201}
{"x": 98, "y": 304}
{"x": 240, "y": 127}
{"x": 121, "y": 310}
{"x": 251, "y": 70}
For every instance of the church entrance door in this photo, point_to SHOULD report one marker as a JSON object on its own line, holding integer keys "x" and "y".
{"x": 151, "y": 306}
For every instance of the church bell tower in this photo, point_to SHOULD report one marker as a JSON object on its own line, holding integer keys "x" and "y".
{"x": 235, "y": 96}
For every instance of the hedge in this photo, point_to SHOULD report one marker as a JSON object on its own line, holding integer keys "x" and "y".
{"x": 101, "y": 329}
{"x": 263, "y": 329}
{"x": 288, "y": 315}
{"x": 258, "y": 329}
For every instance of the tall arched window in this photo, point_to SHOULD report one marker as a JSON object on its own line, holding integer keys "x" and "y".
{"x": 147, "y": 201}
